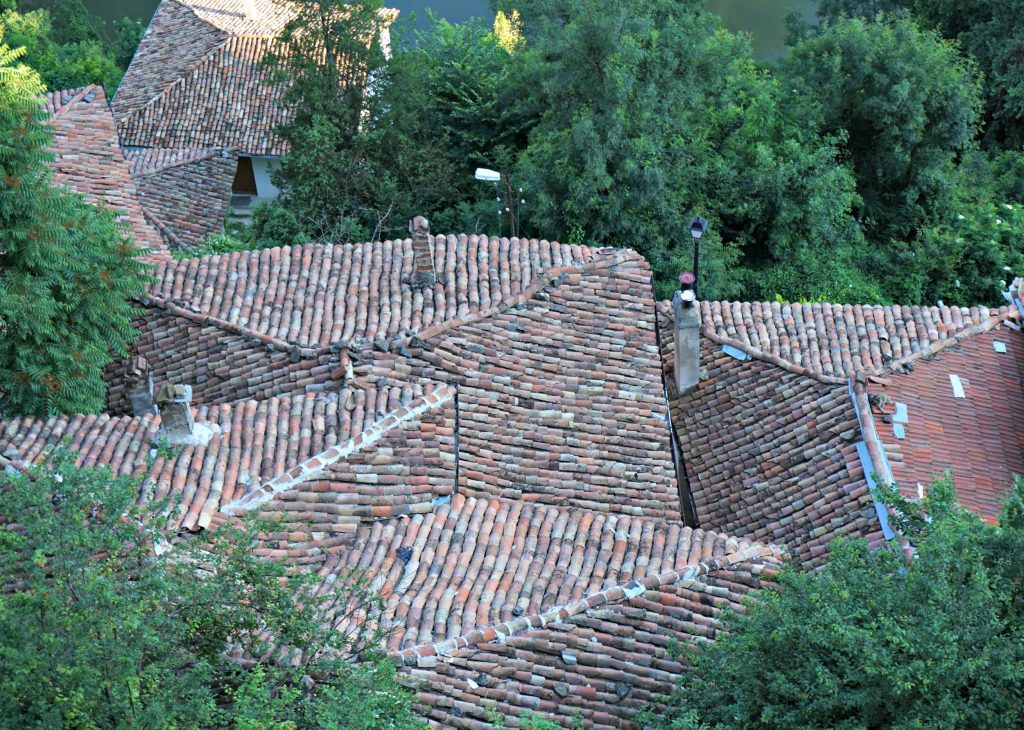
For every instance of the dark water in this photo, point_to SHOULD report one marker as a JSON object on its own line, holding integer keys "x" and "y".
{"x": 763, "y": 19}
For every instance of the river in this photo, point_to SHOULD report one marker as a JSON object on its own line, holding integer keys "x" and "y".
{"x": 763, "y": 19}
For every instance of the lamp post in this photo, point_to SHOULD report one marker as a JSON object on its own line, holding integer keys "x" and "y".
{"x": 697, "y": 227}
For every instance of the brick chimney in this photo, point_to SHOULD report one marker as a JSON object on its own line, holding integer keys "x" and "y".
{"x": 687, "y": 336}
{"x": 423, "y": 275}
{"x": 177, "y": 424}
{"x": 139, "y": 384}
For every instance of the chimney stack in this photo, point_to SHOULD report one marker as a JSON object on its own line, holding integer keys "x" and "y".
{"x": 687, "y": 335}
{"x": 177, "y": 424}
{"x": 139, "y": 382}
{"x": 423, "y": 275}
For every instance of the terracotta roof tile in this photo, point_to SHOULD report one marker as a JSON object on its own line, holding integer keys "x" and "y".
{"x": 317, "y": 295}
{"x": 977, "y": 436}
{"x": 88, "y": 158}
{"x": 184, "y": 193}
{"x": 837, "y": 339}
{"x": 480, "y": 562}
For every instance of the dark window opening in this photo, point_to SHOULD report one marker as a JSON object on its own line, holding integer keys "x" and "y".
{"x": 245, "y": 178}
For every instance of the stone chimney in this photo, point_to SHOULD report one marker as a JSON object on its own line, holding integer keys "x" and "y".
{"x": 687, "y": 336}
{"x": 139, "y": 384}
{"x": 423, "y": 275}
{"x": 177, "y": 424}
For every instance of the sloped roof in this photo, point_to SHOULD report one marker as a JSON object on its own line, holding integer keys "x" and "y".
{"x": 553, "y": 347}
{"x": 926, "y": 428}
{"x": 275, "y": 451}
{"x": 318, "y": 295}
{"x": 838, "y": 339}
{"x": 198, "y": 77}
{"x": 185, "y": 193}
{"x": 600, "y": 659}
{"x": 770, "y": 450}
{"x": 88, "y": 158}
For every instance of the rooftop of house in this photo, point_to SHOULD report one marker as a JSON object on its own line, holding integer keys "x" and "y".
{"x": 493, "y": 446}
{"x": 198, "y": 79}
{"x": 88, "y": 159}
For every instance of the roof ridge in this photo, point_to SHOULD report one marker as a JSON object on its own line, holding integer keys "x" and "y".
{"x": 315, "y": 465}
{"x": 128, "y": 119}
{"x": 604, "y": 257}
{"x": 687, "y": 575}
{"x": 79, "y": 94}
{"x": 772, "y": 359}
{"x": 293, "y": 348}
{"x": 209, "y": 153}
{"x": 955, "y": 339}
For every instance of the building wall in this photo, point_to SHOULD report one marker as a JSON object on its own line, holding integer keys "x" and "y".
{"x": 261, "y": 168}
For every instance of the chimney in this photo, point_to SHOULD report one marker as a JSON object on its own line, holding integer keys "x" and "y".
{"x": 423, "y": 275}
{"x": 139, "y": 382}
{"x": 177, "y": 424}
{"x": 687, "y": 335}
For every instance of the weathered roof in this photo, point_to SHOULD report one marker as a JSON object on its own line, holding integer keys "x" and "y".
{"x": 88, "y": 158}
{"x": 838, "y": 339}
{"x": 770, "y": 450}
{"x": 956, "y": 407}
{"x": 318, "y": 295}
{"x": 198, "y": 78}
{"x": 185, "y": 193}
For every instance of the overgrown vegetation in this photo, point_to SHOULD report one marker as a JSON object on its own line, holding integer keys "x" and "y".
{"x": 873, "y": 641}
{"x": 67, "y": 268}
{"x": 67, "y": 45}
{"x": 105, "y": 624}
{"x": 842, "y": 173}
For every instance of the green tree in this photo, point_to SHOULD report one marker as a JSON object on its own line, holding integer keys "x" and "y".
{"x": 68, "y": 53}
{"x": 67, "y": 270}
{"x": 108, "y": 620}
{"x": 873, "y": 642}
{"x": 906, "y": 103}
{"x": 989, "y": 30}
{"x": 651, "y": 113}
{"x": 349, "y": 174}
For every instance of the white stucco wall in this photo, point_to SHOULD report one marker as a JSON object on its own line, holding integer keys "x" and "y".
{"x": 261, "y": 167}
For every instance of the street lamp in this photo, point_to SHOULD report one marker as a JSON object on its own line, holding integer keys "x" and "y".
{"x": 697, "y": 227}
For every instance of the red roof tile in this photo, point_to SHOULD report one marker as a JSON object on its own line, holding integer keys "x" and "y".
{"x": 185, "y": 193}
{"x": 88, "y": 159}
{"x": 976, "y": 437}
{"x": 838, "y": 339}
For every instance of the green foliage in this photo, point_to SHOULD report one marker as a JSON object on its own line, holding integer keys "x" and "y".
{"x": 67, "y": 270}
{"x": 905, "y": 103}
{"x": 652, "y": 112}
{"x": 872, "y": 642}
{"x": 67, "y": 45}
{"x": 105, "y": 624}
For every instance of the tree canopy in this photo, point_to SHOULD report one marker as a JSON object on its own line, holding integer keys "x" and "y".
{"x": 872, "y": 641}
{"x": 67, "y": 268}
{"x": 109, "y": 620}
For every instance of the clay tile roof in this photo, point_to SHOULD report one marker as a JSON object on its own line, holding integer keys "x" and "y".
{"x": 838, "y": 339}
{"x": 88, "y": 158}
{"x": 505, "y": 606}
{"x": 483, "y": 562}
{"x": 770, "y": 450}
{"x": 561, "y": 398}
{"x": 317, "y": 295}
{"x": 274, "y": 455}
{"x": 198, "y": 79}
{"x": 926, "y": 428}
{"x": 185, "y": 192}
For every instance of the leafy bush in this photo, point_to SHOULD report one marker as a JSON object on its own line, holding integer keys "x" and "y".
{"x": 109, "y": 620}
{"x": 872, "y": 641}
